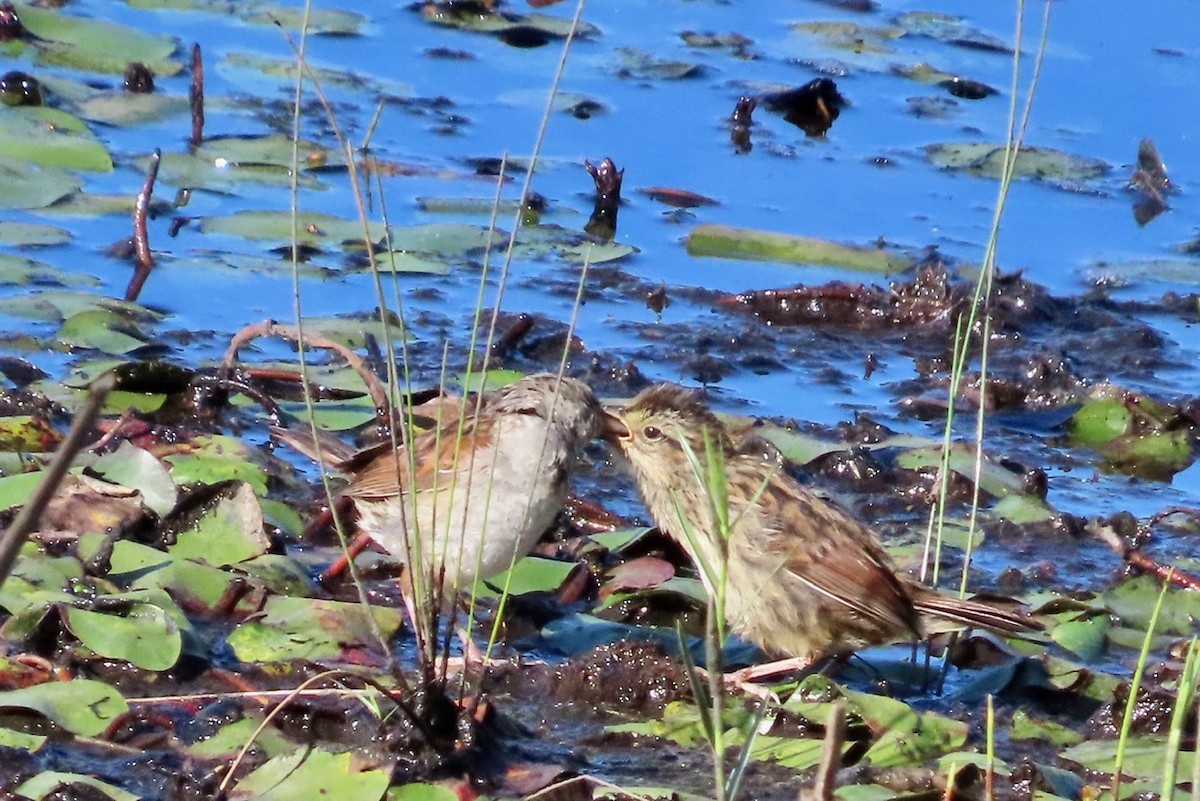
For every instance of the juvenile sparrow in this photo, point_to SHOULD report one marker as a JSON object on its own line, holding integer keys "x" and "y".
{"x": 484, "y": 487}
{"x": 802, "y": 577}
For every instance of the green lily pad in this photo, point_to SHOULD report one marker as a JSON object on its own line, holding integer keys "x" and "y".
{"x": 10, "y": 738}
{"x": 228, "y": 740}
{"x": 214, "y": 459}
{"x": 59, "y": 304}
{"x": 241, "y": 67}
{"x": 725, "y": 242}
{"x": 126, "y": 109}
{"x": 313, "y": 773}
{"x": 47, "y": 782}
{"x": 1144, "y": 756}
{"x": 81, "y": 706}
{"x": 144, "y": 637}
{"x": 105, "y": 330}
{"x": 1134, "y": 433}
{"x": 96, "y": 45}
{"x": 51, "y": 138}
{"x": 142, "y": 568}
{"x": 27, "y": 234}
{"x": 311, "y": 228}
{"x": 635, "y": 63}
{"x": 531, "y": 574}
{"x": 444, "y": 240}
{"x": 263, "y": 12}
{"x": 1133, "y": 602}
{"x": 24, "y": 185}
{"x": 1026, "y": 727}
{"x": 987, "y": 160}
{"x": 309, "y": 628}
{"x": 133, "y": 467}
{"x": 555, "y": 243}
{"x": 398, "y": 261}
{"x": 228, "y": 532}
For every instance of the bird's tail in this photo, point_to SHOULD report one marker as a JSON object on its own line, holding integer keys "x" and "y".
{"x": 1000, "y": 615}
{"x": 333, "y": 453}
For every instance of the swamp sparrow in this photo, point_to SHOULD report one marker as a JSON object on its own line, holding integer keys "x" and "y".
{"x": 474, "y": 493}
{"x": 802, "y": 577}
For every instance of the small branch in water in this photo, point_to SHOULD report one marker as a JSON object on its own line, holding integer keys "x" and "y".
{"x": 196, "y": 96}
{"x": 143, "y": 257}
{"x": 1140, "y": 560}
{"x": 31, "y": 514}
{"x": 268, "y": 328}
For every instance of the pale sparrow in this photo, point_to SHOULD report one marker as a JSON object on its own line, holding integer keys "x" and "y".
{"x": 803, "y": 577}
{"x": 486, "y": 486}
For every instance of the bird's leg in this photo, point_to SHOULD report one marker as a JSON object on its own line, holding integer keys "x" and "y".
{"x": 768, "y": 670}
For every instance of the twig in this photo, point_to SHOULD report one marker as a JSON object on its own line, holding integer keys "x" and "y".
{"x": 31, "y": 514}
{"x": 1140, "y": 560}
{"x": 196, "y": 96}
{"x": 268, "y": 328}
{"x": 143, "y": 257}
{"x": 831, "y": 752}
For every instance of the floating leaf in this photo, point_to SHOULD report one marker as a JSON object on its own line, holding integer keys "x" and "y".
{"x": 27, "y": 234}
{"x": 136, "y": 468}
{"x": 92, "y": 44}
{"x": 313, "y": 773}
{"x": 143, "y": 568}
{"x": 228, "y": 740}
{"x": 55, "y": 783}
{"x": 81, "y": 706}
{"x": 1144, "y": 756}
{"x": 398, "y": 261}
{"x": 228, "y": 532}
{"x": 987, "y": 160}
{"x": 635, "y": 63}
{"x": 131, "y": 108}
{"x": 444, "y": 240}
{"x": 243, "y": 68}
{"x": 308, "y": 628}
{"x": 103, "y": 329}
{"x": 263, "y": 12}
{"x": 725, "y": 242}
{"x": 144, "y": 637}
{"x": 311, "y": 228}
{"x": 1135, "y": 433}
{"x": 24, "y": 185}
{"x": 531, "y": 574}
{"x": 213, "y": 459}
{"x": 1133, "y": 603}
{"x": 51, "y": 138}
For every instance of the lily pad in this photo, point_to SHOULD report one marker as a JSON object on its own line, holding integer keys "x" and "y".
{"x": 216, "y": 458}
{"x": 92, "y": 44}
{"x": 263, "y": 12}
{"x": 144, "y": 637}
{"x": 725, "y": 242}
{"x": 133, "y": 467}
{"x": 987, "y": 160}
{"x": 254, "y": 67}
{"x": 445, "y": 240}
{"x": 228, "y": 532}
{"x": 308, "y": 628}
{"x": 105, "y": 330}
{"x": 24, "y": 185}
{"x": 52, "y": 783}
{"x": 314, "y": 773}
{"x": 310, "y": 228}
{"x": 131, "y": 108}
{"x": 27, "y": 234}
{"x": 80, "y": 706}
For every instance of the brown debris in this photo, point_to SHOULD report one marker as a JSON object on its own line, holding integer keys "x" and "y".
{"x": 812, "y": 107}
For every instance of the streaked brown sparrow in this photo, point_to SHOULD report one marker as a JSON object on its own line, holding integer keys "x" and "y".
{"x": 802, "y": 577}
{"x": 474, "y": 493}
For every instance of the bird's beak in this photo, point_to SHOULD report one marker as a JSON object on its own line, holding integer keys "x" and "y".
{"x": 613, "y": 428}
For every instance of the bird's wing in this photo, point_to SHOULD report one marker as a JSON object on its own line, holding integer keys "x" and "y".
{"x": 833, "y": 554}
{"x": 443, "y": 456}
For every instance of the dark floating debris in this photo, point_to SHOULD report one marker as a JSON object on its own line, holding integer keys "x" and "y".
{"x": 812, "y": 108}
{"x": 967, "y": 89}
{"x": 138, "y": 78}
{"x": 1150, "y": 179}
{"x": 741, "y": 119}
{"x": 20, "y": 89}
{"x": 657, "y": 299}
{"x": 603, "y": 222}
{"x": 679, "y": 198}
{"x": 10, "y": 23}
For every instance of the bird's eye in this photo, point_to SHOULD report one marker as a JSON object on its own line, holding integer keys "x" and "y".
{"x": 652, "y": 433}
